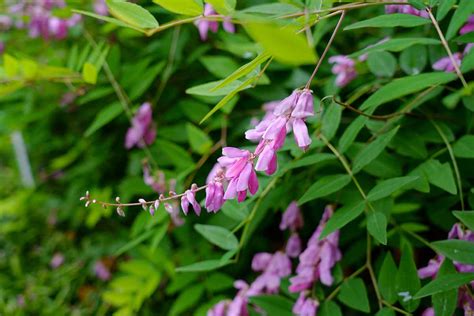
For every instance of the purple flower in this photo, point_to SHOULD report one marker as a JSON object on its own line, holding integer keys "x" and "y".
{"x": 157, "y": 183}
{"x": 219, "y": 309}
{"x": 406, "y": 9}
{"x": 57, "y": 260}
{"x": 293, "y": 246}
{"x": 292, "y": 218}
{"x": 204, "y": 25}
{"x": 214, "y": 196}
{"x": 143, "y": 131}
{"x": 100, "y": 7}
{"x": 428, "y": 312}
{"x": 445, "y": 64}
{"x": 189, "y": 197}
{"x": 468, "y": 27}
{"x": 273, "y": 267}
{"x": 305, "y": 306}
{"x": 301, "y": 134}
{"x": 317, "y": 260}
{"x": 344, "y": 69}
{"x": 239, "y": 172}
{"x": 101, "y": 271}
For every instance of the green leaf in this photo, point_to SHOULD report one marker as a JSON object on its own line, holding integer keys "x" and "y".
{"x": 342, "y": 217}
{"x": 132, "y": 14}
{"x": 329, "y": 308}
{"x": 444, "y": 8}
{"x": 407, "y": 280}
{"x": 460, "y": 16}
{"x": 225, "y": 7}
{"x": 385, "y": 312}
{"x": 283, "y": 43}
{"x": 377, "y": 226}
{"x": 105, "y": 116}
{"x": 185, "y": 7}
{"x": 388, "y": 271}
{"x": 440, "y": 175}
{"x": 209, "y": 88}
{"x": 466, "y": 217}
{"x": 351, "y": 133}
{"x": 457, "y": 250}
{"x": 325, "y": 186}
{"x": 309, "y": 160}
{"x": 10, "y": 65}
{"x": 445, "y": 283}
{"x": 243, "y": 70}
{"x": 208, "y": 265}
{"x": 331, "y": 120}
{"x": 396, "y": 45}
{"x": 235, "y": 210}
{"x": 273, "y": 304}
{"x": 404, "y": 86}
{"x": 187, "y": 299}
{"x": 444, "y": 303}
{"x": 372, "y": 150}
{"x": 387, "y": 187}
{"x": 200, "y": 142}
{"x": 390, "y": 20}
{"x": 218, "y": 236}
{"x": 382, "y": 64}
{"x": 354, "y": 294}
{"x": 272, "y": 9}
{"x": 464, "y": 147}
{"x": 89, "y": 73}
{"x": 413, "y": 59}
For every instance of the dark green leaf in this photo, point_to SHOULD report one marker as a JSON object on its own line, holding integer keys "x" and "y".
{"x": 440, "y": 175}
{"x": 105, "y": 116}
{"x": 351, "y": 133}
{"x": 407, "y": 280}
{"x": 466, "y": 217}
{"x": 444, "y": 8}
{"x": 387, "y": 187}
{"x": 456, "y": 250}
{"x": 390, "y": 20}
{"x": 413, "y": 59}
{"x": 372, "y": 150}
{"x": 342, "y": 217}
{"x": 377, "y": 226}
{"x": 325, "y": 186}
{"x": 396, "y": 45}
{"x": 382, "y": 64}
{"x": 388, "y": 271}
{"x": 464, "y": 147}
{"x": 444, "y": 283}
{"x": 444, "y": 303}
{"x": 354, "y": 294}
{"x": 385, "y": 312}
{"x": 273, "y": 304}
{"x": 462, "y": 13}
{"x": 218, "y": 236}
{"x": 329, "y": 308}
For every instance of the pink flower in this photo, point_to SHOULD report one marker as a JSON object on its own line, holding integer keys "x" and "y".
{"x": 344, "y": 69}
{"x": 445, "y": 64}
{"x": 101, "y": 271}
{"x": 219, "y": 309}
{"x": 239, "y": 172}
{"x": 189, "y": 197}
{"x": 204, "y": 25}
{"x": 405, "y": 8}
{"x": 214, "y": 196}
{"x": 293, "y": 246}
{"x": 100, "y": 7}
{"x": 273, "y": 267}
{"x": 157, "y": 183}
{"x": 305, "y": 306}
{"x": 317, "y": 260}
{"x": 143, "y": 131}
{"x": 428, "y": 312}
{"x": 57, "y": 260}
{"x": 468, "y": 27}
{"x": 292, "y": 217}
{"x": 301, "y": 134}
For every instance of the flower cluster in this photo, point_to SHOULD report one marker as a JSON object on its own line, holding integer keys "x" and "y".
{"x": 38, "y": 18}
{"x": 205, "y": 25}
{"x": 465, "y": 300}
{"x": 406, "y": 9}
{"x": 292, "y": 220}
{"x": 344, "y": 69}
{"x": 315, "y": 264}
{"x": 143, "y": 130}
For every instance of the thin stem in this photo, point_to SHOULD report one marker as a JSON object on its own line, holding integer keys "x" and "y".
{"x": 375, "y": 117}
{"x": 326, "y": 49}
{"x": 161, "y": 199}
{"x": 453, "y": 159}
{"x": 371, "y": 271}
{"x": 171, "y": 24}
{"x": 417, "y": 237}
{"x": 446, "y": 47}
{"x": 343, "y": 7}
{"x": 399, "y": 310}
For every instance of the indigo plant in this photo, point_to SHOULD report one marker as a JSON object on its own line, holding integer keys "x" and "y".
{"x": 298, "y": 157}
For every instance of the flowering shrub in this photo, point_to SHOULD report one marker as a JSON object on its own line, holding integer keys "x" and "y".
{"x": 237, "y": 158}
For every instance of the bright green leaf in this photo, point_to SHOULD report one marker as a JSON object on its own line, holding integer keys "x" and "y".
{"x": 377, "y": 226}
{"x": 218, "y": 236}
{"x": 185, "y": 7}
{"x": 464, "y": 147}
{"x": 132, "y": 14}
{"x": 325, "y": 186}
{"x": 390, "y": 20}
{"x": 200, "y": 142}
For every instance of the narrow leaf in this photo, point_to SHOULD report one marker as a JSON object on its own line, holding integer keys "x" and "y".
{"x": 342, "y": 217}
{"x": 218, "y": 236}
{"x": 457, "y": 250}
{"x": 387, "y": 187}
{"x": 377, "y": 226}
{"x": 390, "y": 20}
{"x": 325, "y": 186}
{"x": 388, "y": 288}
{"x": 444, "y": 283}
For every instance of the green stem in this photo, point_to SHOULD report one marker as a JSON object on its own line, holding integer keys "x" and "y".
{"x": 338, "y": 288}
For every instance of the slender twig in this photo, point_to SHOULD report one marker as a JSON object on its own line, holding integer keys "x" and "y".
{"x": 375, "y": 117}
{"x": 399, "y": 310}
{"x": 446, "y": 47}
{"x": 371, "y": 271}
{"x": 326, "y": 49}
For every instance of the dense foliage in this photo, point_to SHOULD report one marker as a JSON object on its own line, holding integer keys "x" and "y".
{"x": 227, "y": 157}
